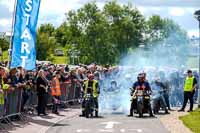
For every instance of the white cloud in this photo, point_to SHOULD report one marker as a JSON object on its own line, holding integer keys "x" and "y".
{"x": 190, "y": 10}
{"x": 142, "y": 9}
{"x": 156, "y": 8}
{"x": 9, "y": 4}
{"x": 176, "y": 11}
{"x": 5, "y": 22}
{"x": 58, "y": 6}
{"x": 174, "y": 3}
{"x": 193, "y": 33}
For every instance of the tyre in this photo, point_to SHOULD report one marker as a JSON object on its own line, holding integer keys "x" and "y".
{"x": 87, "y": 110}
{"x": 140, "y": 110}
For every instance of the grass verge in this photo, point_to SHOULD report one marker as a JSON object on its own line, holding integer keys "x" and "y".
{"x": 192, "y": 121}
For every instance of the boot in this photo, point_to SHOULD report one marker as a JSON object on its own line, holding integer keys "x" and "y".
{"x": 96, "y": 114}
{"x": 166, "y": 111}
{"x": 131, "y": 114}
{"x": 83, "y": 114}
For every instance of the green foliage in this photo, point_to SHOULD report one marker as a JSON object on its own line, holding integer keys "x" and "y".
{"x": 105, "y": 36}
{"x": 5, "y": 55}
{"x": 45, "y": 43}
{"x": 192, "y": 121}
{"x": 4, "y": 44}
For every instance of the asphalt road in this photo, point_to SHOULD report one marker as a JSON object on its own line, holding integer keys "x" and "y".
{"x": 109, "y": 124}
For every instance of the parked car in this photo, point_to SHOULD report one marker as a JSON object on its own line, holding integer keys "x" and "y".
{"x": 43, "y": 62}
{"x": 59, "y": 52}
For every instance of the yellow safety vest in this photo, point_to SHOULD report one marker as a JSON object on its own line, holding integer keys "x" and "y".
{"x": 189, "y": 83}
{"x": 5, "y": 86}
{"x": 2, "y": 94}
{"x": 95, "y": 91}
{"x": 2, "y": 99}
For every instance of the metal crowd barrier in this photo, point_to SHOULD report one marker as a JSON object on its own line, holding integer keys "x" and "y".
{"x": 13, "y": 100}
{"x": 70, "y": 92}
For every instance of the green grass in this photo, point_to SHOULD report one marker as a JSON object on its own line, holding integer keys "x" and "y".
{"x": 60, "y": 59}
{"x": 54, "y": 59}
{"x": 192, "y": 121}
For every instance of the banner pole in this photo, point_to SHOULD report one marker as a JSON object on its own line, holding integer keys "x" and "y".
{"x": 11, "y": 37}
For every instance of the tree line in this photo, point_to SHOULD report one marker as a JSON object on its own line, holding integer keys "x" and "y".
{"x": 106, "y": 35}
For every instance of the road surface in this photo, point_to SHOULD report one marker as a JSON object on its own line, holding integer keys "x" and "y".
{"x": 109, "y": 124}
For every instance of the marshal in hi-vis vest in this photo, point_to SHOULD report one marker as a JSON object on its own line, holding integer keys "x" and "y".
{"x": 55, "y": 89}
{"x": 94, "y": 88}
{"x": 189, "y": 83}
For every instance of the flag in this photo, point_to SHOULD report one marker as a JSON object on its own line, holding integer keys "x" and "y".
{"x": 23, "y": 52}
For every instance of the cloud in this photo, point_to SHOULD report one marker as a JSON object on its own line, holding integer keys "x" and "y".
{"x": 142, "y": 9}
{"x": 175, "y": 11}
{"x": 180, "y": 3}
{"x": 193, "y": 33}
{"x": 8, "y": 4}
{"x": 52, "y": 11}
{"x": 4, "y": 12}
{"x": 5, "y": 22}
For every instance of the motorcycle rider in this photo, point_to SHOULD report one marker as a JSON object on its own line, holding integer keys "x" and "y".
{"x": 113, "y": 86}
{"x": 141, "y": 84}
{"x": 159, "y": 86}
{"x": 91, "y": 84}
{"x": 166, "y": 89}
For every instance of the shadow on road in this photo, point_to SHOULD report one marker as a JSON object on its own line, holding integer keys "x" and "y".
{"x": 60, "y": 125}
{"x": 47, "y": 117}
{"x": 146, "y": 117}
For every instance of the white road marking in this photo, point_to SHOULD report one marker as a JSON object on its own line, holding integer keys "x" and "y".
{"x": 106, "y": 130}
{"x": 122, "y": 130}
{"x": 79, "y": 130}
{"x": 82, "y": 130}
{"x": 138, "y": 130}
{"x": 110, "y": 124}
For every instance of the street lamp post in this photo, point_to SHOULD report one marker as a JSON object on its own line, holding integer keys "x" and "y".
{"x": 197, "y": 16}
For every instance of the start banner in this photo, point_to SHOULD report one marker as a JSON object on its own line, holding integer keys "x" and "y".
{"x": 23, "y": 52}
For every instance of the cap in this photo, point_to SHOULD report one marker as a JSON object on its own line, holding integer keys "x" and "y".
{"x": 189, "y": 71}
{"x": 55, "y": 73}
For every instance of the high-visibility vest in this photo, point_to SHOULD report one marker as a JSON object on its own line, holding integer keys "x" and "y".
{"x": 2, "y": 99}
{"x": 2, "y": 94}
{"x": 189, "y": 83}
{"x": 55, "y": 89}
{"x": 4, "y": 86}
{"x": 94, "y": 88}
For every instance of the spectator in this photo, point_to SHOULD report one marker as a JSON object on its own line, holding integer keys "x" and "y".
{"x": 41, "y": 92}
{"x": 66, "y": 68}
{"x": 55, "y": 92}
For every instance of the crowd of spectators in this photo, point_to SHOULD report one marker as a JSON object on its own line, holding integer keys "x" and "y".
{"x": 27, "y": 81}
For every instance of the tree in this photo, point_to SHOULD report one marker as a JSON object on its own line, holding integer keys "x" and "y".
{"x": 47, "y": 28}
{"x": 105, "y": 36}
{"x": 155, "y": 29}
{"x": 4, "y": 44}
{"x": 159, "y": 29}
{"x": 89, "y": 30}
{"x": 45, "y": 43}
{"x": 126, "y": 26}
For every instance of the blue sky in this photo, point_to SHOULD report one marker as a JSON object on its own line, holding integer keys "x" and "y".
{"x": 52, "y": 11}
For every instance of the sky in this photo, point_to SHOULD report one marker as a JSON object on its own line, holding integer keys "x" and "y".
{"x": 52, "y": 11}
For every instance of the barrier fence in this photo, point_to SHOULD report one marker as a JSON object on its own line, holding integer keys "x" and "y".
{"x": 18, "y": 101}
